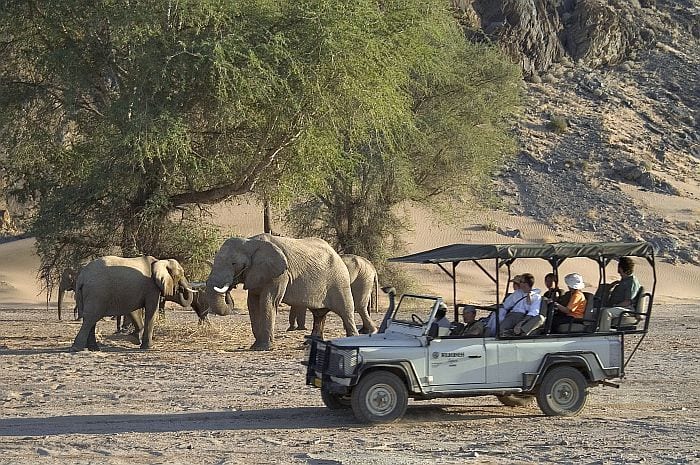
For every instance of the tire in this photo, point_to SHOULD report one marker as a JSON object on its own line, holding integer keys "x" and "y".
{"x": 563, "y": 392}
{"x": 379, "y": 397}
{"x": 516, "y": 400}
{"x": 335, "y": 401}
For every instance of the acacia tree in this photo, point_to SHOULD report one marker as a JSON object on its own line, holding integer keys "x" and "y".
{"x": 462, "y": 101}
{"x": 118, "y": 114}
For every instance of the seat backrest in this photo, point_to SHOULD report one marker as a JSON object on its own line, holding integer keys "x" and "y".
{"x": 602, "y": 294}
{"x": 642, "y": 302}
{"x": 544, "y": 305}
{"x": 442, "y": 331}
{"x": 590, "y": 315}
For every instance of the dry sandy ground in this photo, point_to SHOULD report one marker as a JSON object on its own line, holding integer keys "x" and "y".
{"x": 200, "y": 397}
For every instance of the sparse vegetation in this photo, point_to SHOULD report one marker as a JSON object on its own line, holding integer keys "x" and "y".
{"x": 558, "y": 124}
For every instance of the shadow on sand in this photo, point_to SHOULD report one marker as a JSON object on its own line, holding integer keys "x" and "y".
{"x": 281, "y": 418}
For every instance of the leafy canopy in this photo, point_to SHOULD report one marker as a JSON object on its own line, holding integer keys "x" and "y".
{"x": 117, "y": 114}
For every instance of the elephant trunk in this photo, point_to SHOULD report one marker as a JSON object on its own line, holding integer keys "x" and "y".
{"x": 184, "y": 294}
{"x": 219, "y": 303}
{"x": 61, "y": 293}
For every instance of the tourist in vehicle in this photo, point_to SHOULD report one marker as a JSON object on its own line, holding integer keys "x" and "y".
{"x": 527, "y": 305}
{"x": 508, "y": 303}
{"x": 623, "y": 296}
{"x": 523, "y": 301}
{"x": 550, "y": 282}
{"x": 575, "y": 302}
{"x": 472, "y": 326}
{"x": 441, "y": 321}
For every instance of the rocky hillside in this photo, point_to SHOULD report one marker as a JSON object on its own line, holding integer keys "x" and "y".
{"x": 609, "y": 135}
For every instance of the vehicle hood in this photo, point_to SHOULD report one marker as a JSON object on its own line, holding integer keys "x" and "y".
{"x": 378, "y": 340}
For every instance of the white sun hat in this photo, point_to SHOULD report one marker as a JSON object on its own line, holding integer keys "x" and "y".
{"x": 574, "y": 281}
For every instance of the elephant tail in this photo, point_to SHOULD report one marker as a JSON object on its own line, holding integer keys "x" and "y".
{"x": 374, "y": 301}
{"x": 79, "y": 300}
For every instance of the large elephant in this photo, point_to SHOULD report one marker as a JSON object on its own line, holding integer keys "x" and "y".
{"x": 364, "y": 286}
{"x": 67, "y": 283}
{"x": 299, "y": 272}
{"x": 112, "y": 286}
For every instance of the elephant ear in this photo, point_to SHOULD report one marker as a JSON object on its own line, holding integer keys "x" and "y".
{"x": 267, "y": 262}
{"x": 163, "y": 276}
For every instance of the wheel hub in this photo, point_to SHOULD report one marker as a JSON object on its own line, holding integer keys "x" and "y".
{"x": 381, "y": 399}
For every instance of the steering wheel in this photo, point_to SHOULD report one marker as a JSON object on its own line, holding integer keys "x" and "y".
{"x": 416, "y": 319}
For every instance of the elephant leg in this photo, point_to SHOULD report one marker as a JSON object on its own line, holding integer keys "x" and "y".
{"x": 92, "y": 340}
{"x": 254, "y": 313}
{"x": 119, "y": 319}
{"x": 292, "y": 319}
{"x": 349, "y": 323}
{"x": 368, "y": 326}
{"x": 135, "y": 319}
{"x": 81, "y": 340}
{"x": 297, "y": 318}
{"x": 319, "y": 322}
{"x": 147, "y": 338}
{"x": 301, "y": 319}
{"x": 265, "y": 337}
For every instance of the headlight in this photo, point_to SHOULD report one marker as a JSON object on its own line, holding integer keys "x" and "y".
{"x": 343, "y": 362}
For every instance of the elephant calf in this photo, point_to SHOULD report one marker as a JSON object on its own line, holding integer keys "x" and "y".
{"x": 113, "y": 286}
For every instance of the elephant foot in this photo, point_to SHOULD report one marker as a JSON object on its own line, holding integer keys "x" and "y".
{"x": 74, "y": 349}
{"x": 145, "y": 346}
{"x": 94, "y": 348}
{"x": 301, "y": 328}
{"x": 261, "y": 346}
{"x": 291, "y": 328}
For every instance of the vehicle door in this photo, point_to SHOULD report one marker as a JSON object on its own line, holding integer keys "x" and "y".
{"x": 456, "y": 361}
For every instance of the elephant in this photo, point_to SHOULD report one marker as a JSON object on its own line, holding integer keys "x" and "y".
{"x": 304, "y": 273}
{"x": 364, "y": 285}
{"x": 112, "y": 286}
{"x": 67, "y": 283}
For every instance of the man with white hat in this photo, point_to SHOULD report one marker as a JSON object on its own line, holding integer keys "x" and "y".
{"x": 575, "y": 302}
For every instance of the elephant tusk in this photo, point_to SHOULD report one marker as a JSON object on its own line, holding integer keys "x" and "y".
{"x": 221, "y": 290}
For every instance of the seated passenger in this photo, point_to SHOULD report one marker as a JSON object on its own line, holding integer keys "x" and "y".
{"x": 553, "y": 292}
{"x": 472, "y": 326}
{"x": 623, "y": 296}
{"x": 575, "y": 302}
{"x": 441, "y": 321}
{"x": 527, "y": 305}
{"x": 508, "y": 303}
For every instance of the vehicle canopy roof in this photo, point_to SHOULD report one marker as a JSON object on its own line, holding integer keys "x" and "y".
{"x": 560, "y": 250}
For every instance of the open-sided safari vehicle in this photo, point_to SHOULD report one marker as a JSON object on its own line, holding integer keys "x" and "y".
{"x": 375, "y": 375}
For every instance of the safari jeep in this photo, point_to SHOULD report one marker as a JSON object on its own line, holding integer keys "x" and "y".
{"x": 375, "y": 375}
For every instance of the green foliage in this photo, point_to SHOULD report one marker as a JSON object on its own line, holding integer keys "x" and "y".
{"x": 558, "y": 124}
{"x": 462, "y": 96}
{"x": 114, "y": 114}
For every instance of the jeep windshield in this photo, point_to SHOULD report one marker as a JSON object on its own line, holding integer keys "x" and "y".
{"x": 413, "y": 310}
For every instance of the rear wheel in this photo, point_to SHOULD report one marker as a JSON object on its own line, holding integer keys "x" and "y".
{"x": 379, "y": 397}
{"x": 516, "y": 400}
{"x": 335, "y": 401}
{"x": 563, "y": 392}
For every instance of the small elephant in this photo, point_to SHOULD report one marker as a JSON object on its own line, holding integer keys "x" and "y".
{"x": 67, "y": 283}
{"x": 304, "y": 273}
{"x": 112, "y": 286}
{"x": 364, "y": 286}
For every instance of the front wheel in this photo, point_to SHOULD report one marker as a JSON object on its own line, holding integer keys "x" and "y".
{"x": 516, "y": 400}
{"x": 563, "y": 392}
{"x": 335, "y": 401}
{"x": 379, "y": 397}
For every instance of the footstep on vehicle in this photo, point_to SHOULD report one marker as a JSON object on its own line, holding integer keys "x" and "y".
{"x": 375, "y": 375}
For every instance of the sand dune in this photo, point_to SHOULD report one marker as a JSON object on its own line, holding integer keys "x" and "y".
{"x": 676, "y": 283}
